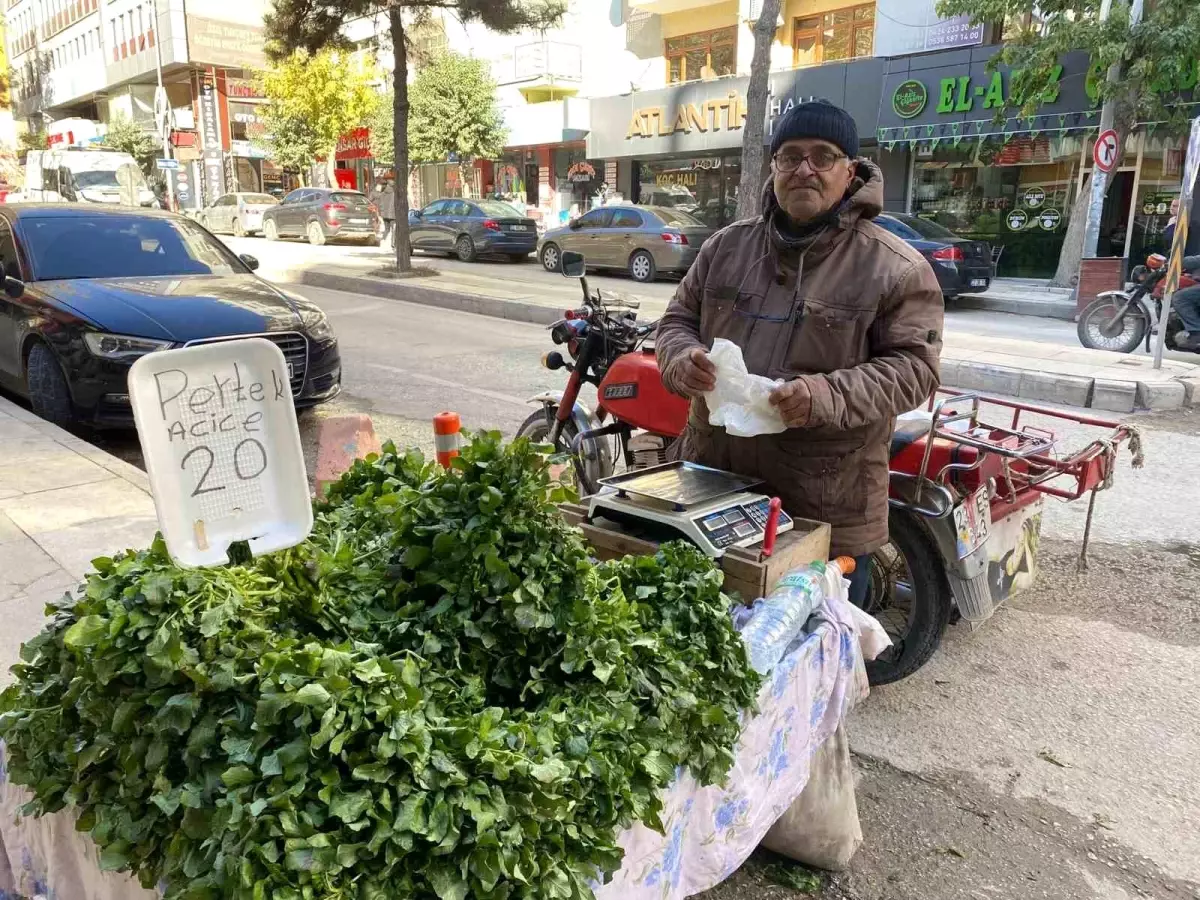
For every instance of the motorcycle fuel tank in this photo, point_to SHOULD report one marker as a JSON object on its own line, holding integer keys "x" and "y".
{"x": 632, "y": 391}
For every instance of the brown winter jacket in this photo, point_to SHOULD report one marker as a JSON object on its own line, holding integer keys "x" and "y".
{"x": 858, "y": 316}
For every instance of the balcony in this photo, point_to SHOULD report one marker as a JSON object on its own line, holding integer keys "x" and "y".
{"x": 544, "y": 70}
{"x": 659, "y": 7}
{"x": 547, "y": 123}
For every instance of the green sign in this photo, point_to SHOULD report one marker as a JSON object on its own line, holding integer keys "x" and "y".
{"x": 1049, "y": 219}
{"x": 1017, "y": 219}
{"x": 910, "y": 99}
{"x": 959, "y": 95}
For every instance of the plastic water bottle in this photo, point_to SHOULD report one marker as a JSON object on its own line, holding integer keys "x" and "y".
{"x": 777, "y": 620}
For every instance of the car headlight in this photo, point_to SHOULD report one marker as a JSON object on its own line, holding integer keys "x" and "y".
{"x": 317, "y": 325}
{"x": 121, "y": 346}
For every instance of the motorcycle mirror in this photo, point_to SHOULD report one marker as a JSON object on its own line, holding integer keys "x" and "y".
{"x": 573, "y": 264}
{"x": 14, "y": 287}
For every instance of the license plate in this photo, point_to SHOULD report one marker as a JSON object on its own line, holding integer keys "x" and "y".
{"x": 979, "y": 282}
{"x": 973, "y": 522}
{"x": 519, "y": 227}
{"x": 357, "y": 221}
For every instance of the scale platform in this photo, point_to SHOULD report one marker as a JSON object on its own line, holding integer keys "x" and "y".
{"x": 713, "y": 509}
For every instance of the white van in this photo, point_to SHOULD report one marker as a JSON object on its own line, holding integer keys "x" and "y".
{"x": 76, "y": 175}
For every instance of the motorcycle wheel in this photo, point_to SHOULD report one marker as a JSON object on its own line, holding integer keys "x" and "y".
{"x": 537, "y": 429}
{"x": 1099, "y": 330}
{"x": 909, "y": 596}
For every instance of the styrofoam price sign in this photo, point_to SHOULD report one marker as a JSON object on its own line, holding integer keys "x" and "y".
{"x": 222, "y": 448}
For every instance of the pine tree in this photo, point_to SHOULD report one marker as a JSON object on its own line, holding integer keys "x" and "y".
{"x": 312, "y": 25}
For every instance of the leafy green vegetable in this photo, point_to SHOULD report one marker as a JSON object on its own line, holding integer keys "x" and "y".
{"x": 438, "y": 695}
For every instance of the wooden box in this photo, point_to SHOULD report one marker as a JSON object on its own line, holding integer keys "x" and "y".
{"x": 747, "y": 573}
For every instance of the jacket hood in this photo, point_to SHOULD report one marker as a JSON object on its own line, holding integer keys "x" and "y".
{"x": 864, "y": 200}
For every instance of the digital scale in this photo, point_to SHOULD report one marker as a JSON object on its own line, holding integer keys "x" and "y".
{"x": 709, "y": 507}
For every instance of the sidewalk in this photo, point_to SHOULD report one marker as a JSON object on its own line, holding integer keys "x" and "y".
{"x": 62, "y": 504}
{"x": 1022, "y": 297}
{"x": 1034, "y": 371}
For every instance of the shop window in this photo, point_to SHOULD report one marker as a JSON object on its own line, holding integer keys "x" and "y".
{"x": 704, "y": 188}
{"x": 839, "y": 34}
{"x": 705, "y": 54}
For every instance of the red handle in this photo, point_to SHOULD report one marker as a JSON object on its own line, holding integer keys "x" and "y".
{"x": 772, "y": 526}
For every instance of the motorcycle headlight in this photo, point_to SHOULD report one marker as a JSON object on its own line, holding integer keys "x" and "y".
{"x": 121, "y": 347}
{"x": 317, "y": 325}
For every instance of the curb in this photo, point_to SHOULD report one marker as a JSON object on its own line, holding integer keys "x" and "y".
{"x": 1044, "y": 309}
{"x": 495, "y": 307}
{"x": 1070, "y": 390}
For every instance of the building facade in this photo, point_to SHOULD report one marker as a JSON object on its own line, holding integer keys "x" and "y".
{"x": 79, "y": 64}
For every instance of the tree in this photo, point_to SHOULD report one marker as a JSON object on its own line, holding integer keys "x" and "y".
{"x": 1155, "y": 60}
{"x": 291, "y": 142}
{"x": 750, "y": 185}
{"x": 128, "y": 136}
{"x": 311, "y": 25}
{"x": 313, "y": 98}
{"x": 453, "y": 113}
{"x": 383, "y": 132}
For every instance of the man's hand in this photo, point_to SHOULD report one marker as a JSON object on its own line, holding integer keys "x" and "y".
{"x": 794, "y": 401}
{"x": 697, "y": 375}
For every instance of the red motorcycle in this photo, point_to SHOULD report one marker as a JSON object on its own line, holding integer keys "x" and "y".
{"x": 966, "y": 497}
{"x": 1122, "y": 321}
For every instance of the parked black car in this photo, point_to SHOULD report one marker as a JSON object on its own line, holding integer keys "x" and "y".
{"x": 89, "y": 289}
{"x": 962, "y": 266}
{"x": 322, "y": 215}
{"x": 467, "y": 228}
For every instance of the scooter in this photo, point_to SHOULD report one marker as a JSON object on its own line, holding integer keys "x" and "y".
{"x": 965, "y": 496}
{"x": 1122, "y": 321}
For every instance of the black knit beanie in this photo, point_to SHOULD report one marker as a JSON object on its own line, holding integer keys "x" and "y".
{"x": 817, "y": 119}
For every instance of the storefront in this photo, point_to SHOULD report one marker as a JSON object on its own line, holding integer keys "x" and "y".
{"x": 1013, "y": 182}
{"x": 681, "y": 146}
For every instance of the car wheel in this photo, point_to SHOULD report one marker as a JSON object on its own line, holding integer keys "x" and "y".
{"x": 48, "y": 391}
{"x": 641, "y": 266}
{"x": 464, "y": 248}
{"x": 270, "y": 230}
{"x": 316, "y": 234}
{"x": 238, "y": 230}
{"x": 551, "y": 258}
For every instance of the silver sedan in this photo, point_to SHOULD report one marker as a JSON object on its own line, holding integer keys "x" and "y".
{"x": 645, "y": 241}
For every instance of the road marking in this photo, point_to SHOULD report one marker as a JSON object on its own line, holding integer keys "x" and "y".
{"x": 356, "y": 310}
{"x": 454, "y": 385}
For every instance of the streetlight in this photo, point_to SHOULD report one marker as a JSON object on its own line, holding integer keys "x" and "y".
{"x": 162, "y": 107}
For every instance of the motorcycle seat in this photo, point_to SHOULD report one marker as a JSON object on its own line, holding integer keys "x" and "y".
{"x": 909, "y": 428}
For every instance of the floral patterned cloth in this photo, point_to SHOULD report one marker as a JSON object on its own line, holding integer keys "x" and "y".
{"x": 710, "y": 831}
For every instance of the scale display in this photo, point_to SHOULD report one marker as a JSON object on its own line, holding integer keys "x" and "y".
{"x": 708, "y": 507}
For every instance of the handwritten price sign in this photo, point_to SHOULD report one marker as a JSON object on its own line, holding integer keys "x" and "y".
{"x": 222, "y": 448}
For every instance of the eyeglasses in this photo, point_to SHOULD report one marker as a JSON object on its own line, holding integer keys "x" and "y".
{"x": 819, "y": 160}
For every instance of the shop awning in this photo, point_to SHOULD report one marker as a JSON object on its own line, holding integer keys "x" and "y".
{"x": 955, "y": 133}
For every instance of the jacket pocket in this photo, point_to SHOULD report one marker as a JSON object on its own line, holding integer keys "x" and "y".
{"x": 718, "y": 317}
{"x": 822, "y": 342}
{"x": 826, "y": 488}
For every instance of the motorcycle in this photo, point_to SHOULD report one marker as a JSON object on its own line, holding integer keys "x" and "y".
{"x": 965, "y": 496}
{"x": 1122, "y": 321}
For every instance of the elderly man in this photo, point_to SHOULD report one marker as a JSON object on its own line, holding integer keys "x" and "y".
{"x": 846, "y": 315}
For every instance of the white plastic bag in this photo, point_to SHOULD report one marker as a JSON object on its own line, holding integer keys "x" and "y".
{"x": 872, "y": 637}
{"x": 739, "y": 401}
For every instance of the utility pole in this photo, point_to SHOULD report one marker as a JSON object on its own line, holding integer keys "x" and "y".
{"x": 1100, "y": 181}
{"x": 162, "y": 119}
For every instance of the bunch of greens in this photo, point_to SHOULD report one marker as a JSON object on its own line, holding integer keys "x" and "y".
{"x": 438, "y": 695}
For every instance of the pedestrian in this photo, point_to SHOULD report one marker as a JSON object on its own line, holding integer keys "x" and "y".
{"x": 847, "y": 316}
{"x": 385, "y": 201}
{"x": 1169, "y": 231}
